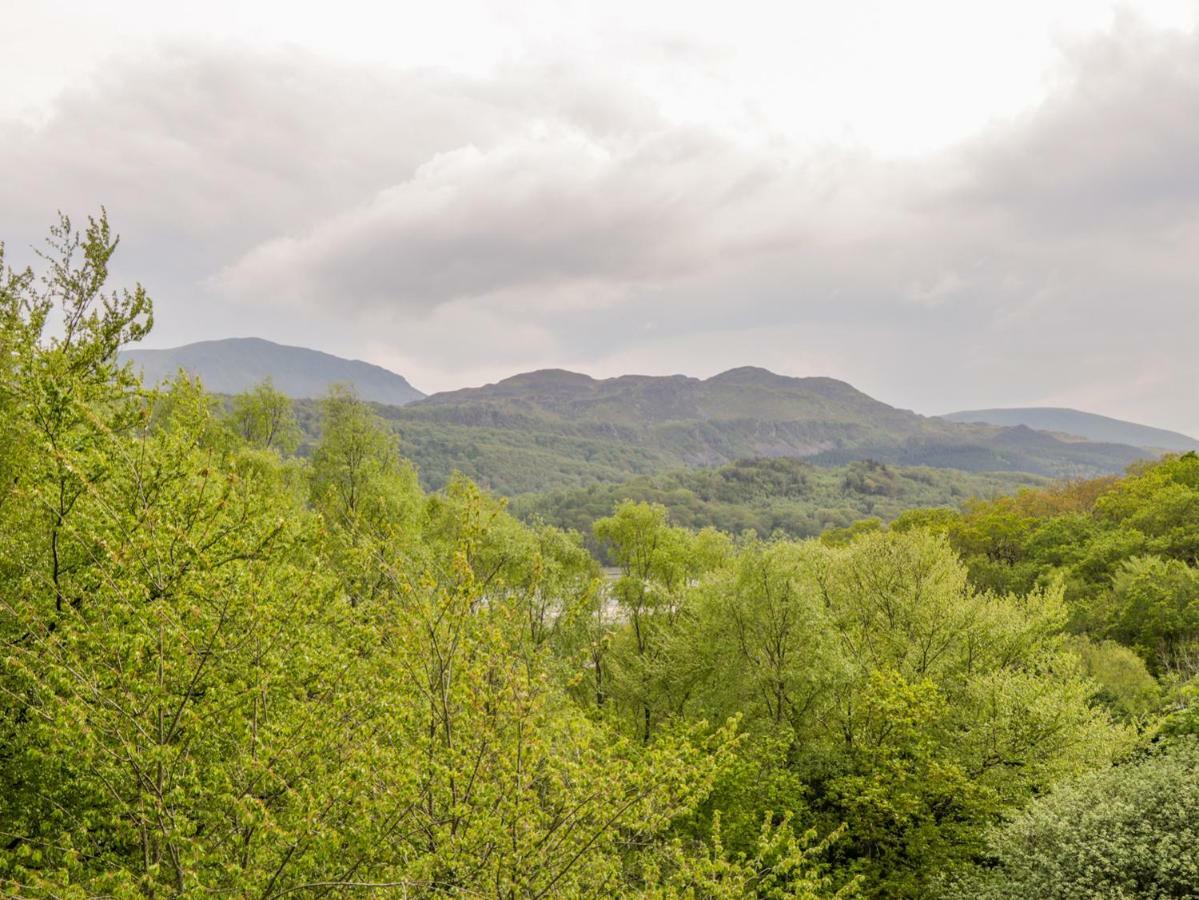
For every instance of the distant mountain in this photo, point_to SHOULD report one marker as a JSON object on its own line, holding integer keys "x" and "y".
{"x": 1086, "y": 425}
{"x": 235, "y": 364}
{"x": 555, "y": 429}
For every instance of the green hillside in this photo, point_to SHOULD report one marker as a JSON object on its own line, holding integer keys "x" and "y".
{"x": 553, "y": 429}
{"x": 774, "y": 495}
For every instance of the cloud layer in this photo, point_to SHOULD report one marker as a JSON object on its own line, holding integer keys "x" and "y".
{"x": 459, "y": 228}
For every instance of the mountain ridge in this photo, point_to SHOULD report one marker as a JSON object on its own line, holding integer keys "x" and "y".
{"x": 1090, "y": 426}
{"x": 553, "y": 428}
{"x": 232, "y": 365}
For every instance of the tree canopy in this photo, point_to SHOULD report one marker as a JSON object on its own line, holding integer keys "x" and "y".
{"x": 229, "y": 668}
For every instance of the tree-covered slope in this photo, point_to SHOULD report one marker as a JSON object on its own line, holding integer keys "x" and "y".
{"x": 1086, "y": 425}
{"x": 237, "y": 364}
{"x": 767, "y": 496}
{"x": 553, "y": 429}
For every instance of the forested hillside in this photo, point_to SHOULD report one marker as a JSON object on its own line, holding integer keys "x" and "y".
{"x": 228, "y": 669}
{"x": 553, "y": 429}
{"x": 795, "y": 498}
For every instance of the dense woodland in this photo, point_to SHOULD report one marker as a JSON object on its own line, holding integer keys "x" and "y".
{"x": 230, "y": 668}
{"x": 775, "y": 495}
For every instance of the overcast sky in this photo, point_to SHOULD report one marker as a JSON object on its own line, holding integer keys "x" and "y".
{"x": 948, "y": 204}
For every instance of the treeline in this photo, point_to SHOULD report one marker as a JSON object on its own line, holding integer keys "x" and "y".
{"x": 774, "y": 495}
{"x": 504, "y": 460}
{"x": 230, "y": 669}
{"x": 1125, "y": 551}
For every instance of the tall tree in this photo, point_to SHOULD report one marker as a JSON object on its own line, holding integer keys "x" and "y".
{"x": 264, "y": 417}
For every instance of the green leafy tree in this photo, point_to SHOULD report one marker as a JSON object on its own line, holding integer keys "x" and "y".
{"x": 657, "y": 562}
{"x": 1122, "y": 680}
{"x": 1154, "y": 607}
{"x": 263, "y": 417}
{"x": 367, "y": 496}
{"x": 1129, "y": 831}
{"x": 893, "y": 696}
{"x": 71, "y": 399}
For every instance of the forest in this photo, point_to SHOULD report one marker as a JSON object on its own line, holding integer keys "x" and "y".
{"x": 230, "y": 668}
{"x": 780, "y": 495}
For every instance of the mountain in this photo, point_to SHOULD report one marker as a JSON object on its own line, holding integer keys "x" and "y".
{"x": 235, "y": 364}
{"x": 1085, "y": 425}
{"x": 554, "y": 429}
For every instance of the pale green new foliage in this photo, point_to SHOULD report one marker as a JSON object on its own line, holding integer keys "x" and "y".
{"x": 545, "y": 573}
{"x": 368, "y": 498}
{"x": 1131, "y": 831}
{"x": 214, "y": 682}
{"x": 263, "y": 417}
{"x": 760, "y": 626}
{"x": 781, "y": 865}
{"x": 1154, "y": 607}
{"x": 906, "y": 703}
{"x": 162, "y": 738}
{"x": 1122, "y": 681}
{"x": 997, "y": 709}
{"x": 502, "y": 787}
{"x": 70, "y": 399}
{"x": 358, "y": 477}
{"x": 658, "y": 563}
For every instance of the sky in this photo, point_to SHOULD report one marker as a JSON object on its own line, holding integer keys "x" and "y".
{"x": 947, "y": 204}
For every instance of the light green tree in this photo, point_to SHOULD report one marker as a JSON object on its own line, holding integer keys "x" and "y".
{"x": 1128, "y": 831}
{"x": 264, "y": 417}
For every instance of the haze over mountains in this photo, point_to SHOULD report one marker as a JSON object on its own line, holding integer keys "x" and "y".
{"x": 232, "y": 365}
{"x": 1091, "y": 426}
{"x": 554, "y": 429}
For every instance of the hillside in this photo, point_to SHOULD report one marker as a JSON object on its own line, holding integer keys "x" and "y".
{"x": 232, "y": 365}
{"x": 767, "y": 496}
{"x": 554, "y": 429}
{"x": 1086, "y": 425}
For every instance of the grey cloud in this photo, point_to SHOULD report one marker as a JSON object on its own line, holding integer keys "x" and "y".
{"x": 557, "y": 206}
{"x": 216, "y": 149}
{"x": 1048, "y": 259}
{"x": 1114, "y": 145}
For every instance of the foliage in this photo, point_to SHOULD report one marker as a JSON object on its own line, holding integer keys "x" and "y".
{"x": 1129, "y": 831}
{"x": 264, "y": 417}
{"x": 1122, "y": 681}
{"x": 228, "y": 669}
{"x": 766, "y": 496}
{"x": 877, "y": 687}
{"x": 1126, "y": 550}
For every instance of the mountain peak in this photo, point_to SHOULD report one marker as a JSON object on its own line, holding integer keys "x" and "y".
{"x": 747, "y": 375}
{"x": 232, "y": 365}
{"x": 549, "y": 377}
{"x": 1089, "y": 426}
